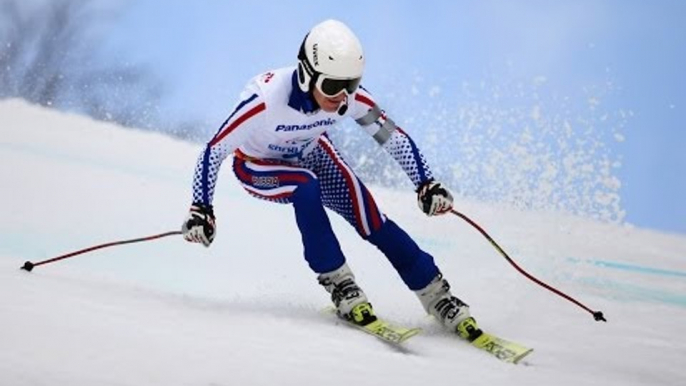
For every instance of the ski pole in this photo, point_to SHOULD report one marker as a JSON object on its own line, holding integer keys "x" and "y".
{"x": 597, "y": 315}
{"x": 28, "y": 266}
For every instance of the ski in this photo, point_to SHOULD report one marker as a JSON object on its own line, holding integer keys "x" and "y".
{"x": 383, "y": 329}
{"x": 503, "y": 349}
{"x": 388, "y": 332}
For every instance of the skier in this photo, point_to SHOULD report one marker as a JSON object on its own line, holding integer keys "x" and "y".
{"x": 277, "y": 134}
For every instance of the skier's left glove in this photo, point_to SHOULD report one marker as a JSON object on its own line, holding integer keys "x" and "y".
{"x": 199, "y": 226}
{"x": 434, "y": 198}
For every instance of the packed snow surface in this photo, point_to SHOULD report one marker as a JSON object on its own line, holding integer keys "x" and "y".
{"x": 248, "y": 311}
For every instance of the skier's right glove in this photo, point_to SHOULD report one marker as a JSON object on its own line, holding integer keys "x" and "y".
{"x": 199, "y": 226}
{"x": 434, "y": 198}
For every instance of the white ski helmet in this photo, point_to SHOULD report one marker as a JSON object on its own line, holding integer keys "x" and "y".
{"x": 330, "y": 59}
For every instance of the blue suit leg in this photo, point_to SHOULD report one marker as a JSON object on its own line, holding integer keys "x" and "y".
{"x": 322, "y": 249}
{"x": 416, "y": 267}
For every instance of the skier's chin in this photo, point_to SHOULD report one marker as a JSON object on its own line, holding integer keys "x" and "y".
{"x": 330, "y": 107}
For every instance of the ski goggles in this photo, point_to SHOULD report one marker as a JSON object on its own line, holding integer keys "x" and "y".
{"x": 331, "y": 87}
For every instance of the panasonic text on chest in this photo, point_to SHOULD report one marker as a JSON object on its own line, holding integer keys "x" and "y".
{"x": 323, "y": 122}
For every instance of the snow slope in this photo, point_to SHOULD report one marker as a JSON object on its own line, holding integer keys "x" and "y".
{"x": 247, "y": 310}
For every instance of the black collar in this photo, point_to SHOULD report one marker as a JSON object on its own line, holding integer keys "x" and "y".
{"x": 299, "y": 100}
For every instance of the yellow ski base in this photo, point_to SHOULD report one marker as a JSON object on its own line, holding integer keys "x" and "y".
{"x": 383, "y": 329}
{"x": 502, "y": 349}
{"x": 388, "y": 332}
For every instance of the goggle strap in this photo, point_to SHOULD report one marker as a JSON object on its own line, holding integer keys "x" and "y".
{"x": 302, "y": 56}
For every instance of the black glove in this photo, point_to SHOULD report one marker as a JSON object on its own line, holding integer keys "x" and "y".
{"x": 433, "y": 198}
{"x": 199, "y": 226}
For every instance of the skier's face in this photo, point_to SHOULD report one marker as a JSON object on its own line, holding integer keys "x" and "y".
{"x": 328, "y": 104}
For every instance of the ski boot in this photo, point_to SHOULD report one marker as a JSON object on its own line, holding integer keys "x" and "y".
{"x": 448, "y": 310}
{"x": 350, "y": 301}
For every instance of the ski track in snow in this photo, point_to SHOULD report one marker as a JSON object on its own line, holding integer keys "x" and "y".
{"x": 247, "y": 311}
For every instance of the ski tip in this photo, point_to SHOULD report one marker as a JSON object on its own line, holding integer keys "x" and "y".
{"x": 517, "y": 360}
{"x": 598, "y": 316}
{"x": 410, "y": 333}
{"x": 28, "y": 266}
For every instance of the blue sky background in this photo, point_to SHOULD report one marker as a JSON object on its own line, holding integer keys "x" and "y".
{"x": 632, "y": 53}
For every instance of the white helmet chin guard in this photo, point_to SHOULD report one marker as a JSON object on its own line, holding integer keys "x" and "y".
{"x": 330, "y": 59}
